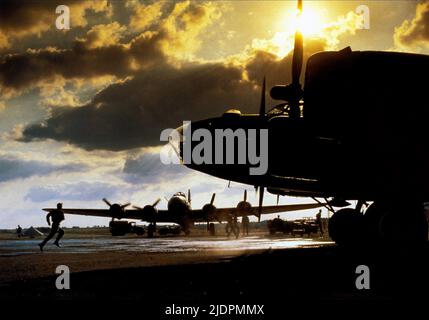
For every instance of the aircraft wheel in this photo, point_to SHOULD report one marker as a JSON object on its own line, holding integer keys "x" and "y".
{"x": 150, "y": 231}
{"x": 212, "y": 229}
{"x": 345, "y": 227}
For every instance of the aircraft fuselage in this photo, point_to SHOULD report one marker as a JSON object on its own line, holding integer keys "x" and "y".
{"x": 362, "y": 133}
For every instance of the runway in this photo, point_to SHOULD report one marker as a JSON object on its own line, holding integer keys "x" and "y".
{"x": 158, "y": 245}
{"x": 205, "y": 270}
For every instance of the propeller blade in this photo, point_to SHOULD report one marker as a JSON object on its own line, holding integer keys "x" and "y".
{"x": 278, "y": 196}
{"x": 125, "y": 205}
{"x": 213, "y": 198}
{"x": 189, "y": 195}
{"x": 298, "y": 51}
{"x": 261, "y": 201}
{"x": 245, "y": 195}
{"x": 262, "y": 106}
{"x": 156, "y": 202}
{"x": 107, "y": 202}
{"x": 138, "y": 208}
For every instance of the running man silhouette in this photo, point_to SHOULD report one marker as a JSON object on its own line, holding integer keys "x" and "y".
{"x": 57, "y": 216}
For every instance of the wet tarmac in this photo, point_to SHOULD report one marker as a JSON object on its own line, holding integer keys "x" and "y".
{"x": 158, "y": 245}
{"x": 194, "y": 271}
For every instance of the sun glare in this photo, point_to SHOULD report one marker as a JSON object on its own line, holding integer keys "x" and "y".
{"x": 309, "y": 22}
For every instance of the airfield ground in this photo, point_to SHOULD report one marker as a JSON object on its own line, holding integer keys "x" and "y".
{"x": 247, "y": 270}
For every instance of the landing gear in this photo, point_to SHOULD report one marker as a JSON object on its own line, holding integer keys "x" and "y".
{"x": 186, "y": 226}
{"x": 151, "y": 229}
{"x": 345, "y": 227}
{"x": 212, "y": 229}
{"x": 388, "y": 223}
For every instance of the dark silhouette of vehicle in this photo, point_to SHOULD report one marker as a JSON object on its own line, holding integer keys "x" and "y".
{"x": 121, "y": 228}
{"x": 169, "y": 230}
{"x": 366, "y": 112}
{"x": 300, "y": 227}
{"x": 180, "y": 212}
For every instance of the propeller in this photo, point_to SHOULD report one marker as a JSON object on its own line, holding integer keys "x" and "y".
{"x": 293, "y": 92}
{"x": 244, "y": 206}
{"x": 116, "y": 208}
{"x": 107, "y": 202}
{"x": 213, "y": 198}
{"x": 189, "y": 196}
{"x": 298, "y": 52}
{"x": 209, "y": 209}
{"x": 261, "y": 201}
{"x": 156, "y": 202}
{"x": 262, "y": 105}
{"x": 149, "y": 211}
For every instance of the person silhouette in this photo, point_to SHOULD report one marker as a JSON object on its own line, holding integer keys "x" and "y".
{"x": 57, "y": 217}
{"x": 319, "y": 221}
{"x": 245, "y": 225}
{"x": 19, "y": 231}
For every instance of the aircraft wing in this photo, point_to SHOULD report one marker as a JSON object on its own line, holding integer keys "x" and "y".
{"x": 128, "y": 214}
{"x": 197, "y": 215}
{"x": 223, "y": 213}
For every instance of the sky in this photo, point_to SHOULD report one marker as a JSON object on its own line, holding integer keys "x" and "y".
{"x": 81, "y": 110}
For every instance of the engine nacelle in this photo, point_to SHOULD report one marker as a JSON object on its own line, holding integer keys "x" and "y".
{"x": 286, "y": 93}
{"x": 116, "y": 210}
{"x": 149, "y": 212}
{"x": 244, "y": 207}
{"x": 209, "y": 211}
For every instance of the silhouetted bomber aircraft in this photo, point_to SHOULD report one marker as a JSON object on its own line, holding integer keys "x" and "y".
{"x": 357, "y": 131}
{"x": 179, "y": 211}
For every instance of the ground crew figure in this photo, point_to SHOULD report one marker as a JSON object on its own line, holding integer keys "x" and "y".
{"x": 319, "y": 221}
{"x": 245, "y": 225}
{"x": 19, "y": 231}
{"x": 228, "y": 227}
{"x": 57, "y": 216}
{"x": 236, "y": 228}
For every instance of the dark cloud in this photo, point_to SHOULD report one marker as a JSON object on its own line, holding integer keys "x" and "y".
{"x": 21, "y": 17}
{"x": 20, "y": 71}
{"x": 100, "y": 51}
{"x": 415, "y": 32}
{"x": 24, "y": 18}
{"x": 158, "y": 91}
{"x": 82, "y": 191}
{"x": 14, "y": 168}
{"x": 132, "y": 114}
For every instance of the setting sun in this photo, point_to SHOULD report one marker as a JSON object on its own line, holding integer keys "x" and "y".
{"x": 309, "y": 22}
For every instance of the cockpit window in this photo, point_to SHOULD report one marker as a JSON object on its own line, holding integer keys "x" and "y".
{"x": 180, "y": 194}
